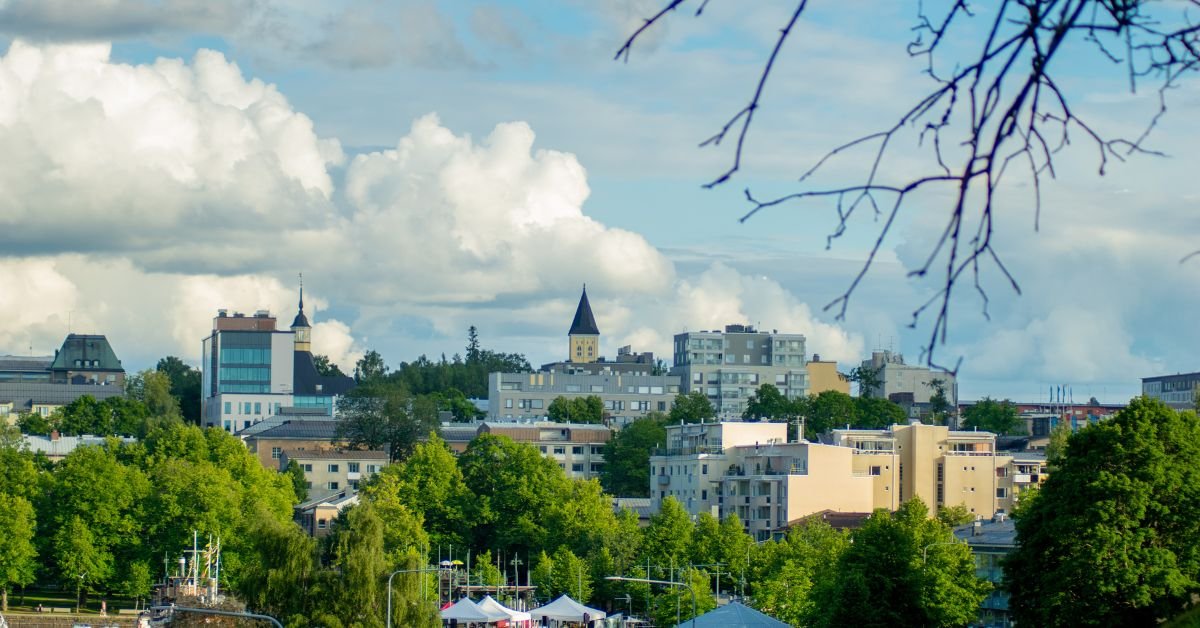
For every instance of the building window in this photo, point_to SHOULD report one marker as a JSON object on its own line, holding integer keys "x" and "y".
{"x": 333, "y": 486}
{"x": 275, "y": 452}
{"x": 308, "y": 485}
{"x": 257, "y": 407}
{"x": 333, "y": 468}
{"x": 704, "y": 493}
{"x": 543, "y": 449}
{"x": 508, "y": 403}
{"x": 558, "y": 451}
{"x": 1001, "y": 493}
{"x": 1001, "y": 472}
{"x": 577, "y": 450}
{"x": 704, "y": 469}
{"x": 577, "y": 467}
{"x": 307, "y": 468}
{"x": 537, "y": 404}
{"x": 875, "y": 470}
{"x": 352, "y": 467}
{"x": 321, "y": 524}
{"x": 228, "y": 407}
{"x": 372, "y": 468}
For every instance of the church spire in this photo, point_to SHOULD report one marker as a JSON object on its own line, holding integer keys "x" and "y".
{"x": 583, "y": 340}
{"x": 300, "y": 326}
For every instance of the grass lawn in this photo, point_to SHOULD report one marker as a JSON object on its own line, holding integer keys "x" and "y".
{"x": 28, "y": 601}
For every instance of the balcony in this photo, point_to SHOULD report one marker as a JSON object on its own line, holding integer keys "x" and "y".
{"x": 969, "y": 453}
{"x": 664, "y": 480}
{"x": 689, "y": 451}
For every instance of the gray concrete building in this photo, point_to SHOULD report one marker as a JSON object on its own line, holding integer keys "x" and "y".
{"x": 626, "y": 398}
{"x": 908, "y": 384}
{"x": 84, "y": 365}
{"x": 728, "y": 366}
{"x": 1178, "y": 391}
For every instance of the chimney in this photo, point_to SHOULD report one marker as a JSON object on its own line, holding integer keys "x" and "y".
{"x": 977, "y": 528}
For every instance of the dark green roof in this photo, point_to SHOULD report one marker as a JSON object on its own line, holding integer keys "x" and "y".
{"x": 584, "y": 323}
{"x": 88, "y": 349}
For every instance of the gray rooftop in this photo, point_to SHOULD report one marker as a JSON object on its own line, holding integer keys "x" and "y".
{"x": 63, "y": 445}
{"x": 302, "y": 430}
{"x": 998, "y": 534}
{"x": 336, "y": 454}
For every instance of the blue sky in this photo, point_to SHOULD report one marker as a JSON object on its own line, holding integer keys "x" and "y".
{"x": 432, "y": 166}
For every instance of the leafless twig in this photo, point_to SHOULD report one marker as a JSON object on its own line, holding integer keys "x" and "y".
{"x": 999, "y": 107}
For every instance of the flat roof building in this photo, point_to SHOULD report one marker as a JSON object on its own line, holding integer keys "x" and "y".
{"x": 1178, "y": 391}
{"x": 728, "y": 366}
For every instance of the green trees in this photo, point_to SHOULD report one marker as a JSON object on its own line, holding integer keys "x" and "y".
{"x": 939, "y": 405}
{"x": 185, "y": 386}
{"x": 588, "y": 409}
{"x": 902, "y": 569}
{"x": 877, "y": 413}
{"x": 1111, "y": 537}
{"x": 768, "y": 403}
{"x": 990, "y": 415}
{"x": 626, "y": 471}
{"x": 691, "y": 408}
{"x": 562, "y": 572}
{"x": 383, "y": 415}
{"x": 430, "y": 483}
{"x": 828, "y": 410}
{"x": 17, "y": 554}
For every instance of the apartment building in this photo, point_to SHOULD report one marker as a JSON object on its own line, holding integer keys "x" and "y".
{"x": 1178, "y": 391}
{"x": 330, "y": 471}
{"x": 251, "y": 370}
{"x": 316, "y": 516}
{"x": 908, "y": 384}
{"x": 823, "y": 375}
{"x": 728, "y": 366}
{"x": 626, "y": 398}
{"x": 698, "y": 455}
{"x": 577, "y": 448}
{"x": 268, "y": 445}
{"x": 750, "y": 469}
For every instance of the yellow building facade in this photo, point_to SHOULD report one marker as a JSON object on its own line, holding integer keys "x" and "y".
{"x": 824, "y": 376}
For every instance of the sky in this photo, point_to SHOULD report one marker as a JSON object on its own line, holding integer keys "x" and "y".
{"x": 432, "y": 166}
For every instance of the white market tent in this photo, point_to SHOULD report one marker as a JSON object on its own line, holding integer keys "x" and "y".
{"x": 566, "y": 609}
{"x": 465, "y": 610}
{"x": 495, "y": 609}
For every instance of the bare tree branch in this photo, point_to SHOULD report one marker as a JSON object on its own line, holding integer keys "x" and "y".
{"x": 998, "y": 107}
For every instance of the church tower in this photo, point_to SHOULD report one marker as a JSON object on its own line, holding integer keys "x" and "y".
{"x": 300, "y": 326}
{"x": 584, "y": 337}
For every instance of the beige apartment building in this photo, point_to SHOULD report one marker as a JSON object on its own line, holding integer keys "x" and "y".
{"x": 750, "y": 469}
{"x": 331, "y": 471}
{"x": 823, "y": 375}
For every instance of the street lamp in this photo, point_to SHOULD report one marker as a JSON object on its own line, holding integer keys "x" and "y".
{"x": 78, "y": 592}
{"x": 668, "y": 582}
{"x": 925, "y": 552}
{"x": 389, "y": 587}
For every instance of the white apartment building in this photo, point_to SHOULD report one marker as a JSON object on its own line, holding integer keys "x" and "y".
{"x": 728, "y": 366}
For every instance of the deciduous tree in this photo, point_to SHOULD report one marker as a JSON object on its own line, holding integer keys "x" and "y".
{"x": 17, "y": 554}
{"x": 626, "y": 471}
{"x": 990, "y": 415}
{"x": 1111, "y": 537}
{"x": 691, "y": 408}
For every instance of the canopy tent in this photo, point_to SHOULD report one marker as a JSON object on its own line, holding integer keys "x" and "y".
{"x": 566, "y": 609}
{"x": 495, "y": 609}
{"x": 465, "y": 610}
{"x": 735, "y": 615}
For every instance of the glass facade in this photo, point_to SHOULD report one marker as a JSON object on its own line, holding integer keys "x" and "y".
{"x": 245, "y": 362}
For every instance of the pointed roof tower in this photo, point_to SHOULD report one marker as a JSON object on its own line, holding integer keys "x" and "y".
{"x": 301, "y": 320}
{"x": 585, "y": 322}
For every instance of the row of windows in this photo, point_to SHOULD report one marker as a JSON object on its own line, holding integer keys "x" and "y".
{"x": 247, "y": 407}
{"x": 87, "y": 363}
{"x": 262, "y": 388}
{"x": 578, "y": 467}
{"x": 245, "y": 355}
{"x": 245, "y": 373}
{"x": 576, "y": 450}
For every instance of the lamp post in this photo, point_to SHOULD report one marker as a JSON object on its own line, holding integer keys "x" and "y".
{"x": 667, "y": 582}
{"x": 925, "y": 552}
{"x": 389, "y": 586}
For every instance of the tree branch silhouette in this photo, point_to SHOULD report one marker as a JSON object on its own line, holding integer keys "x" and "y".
{"x": 999, "y": 107}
